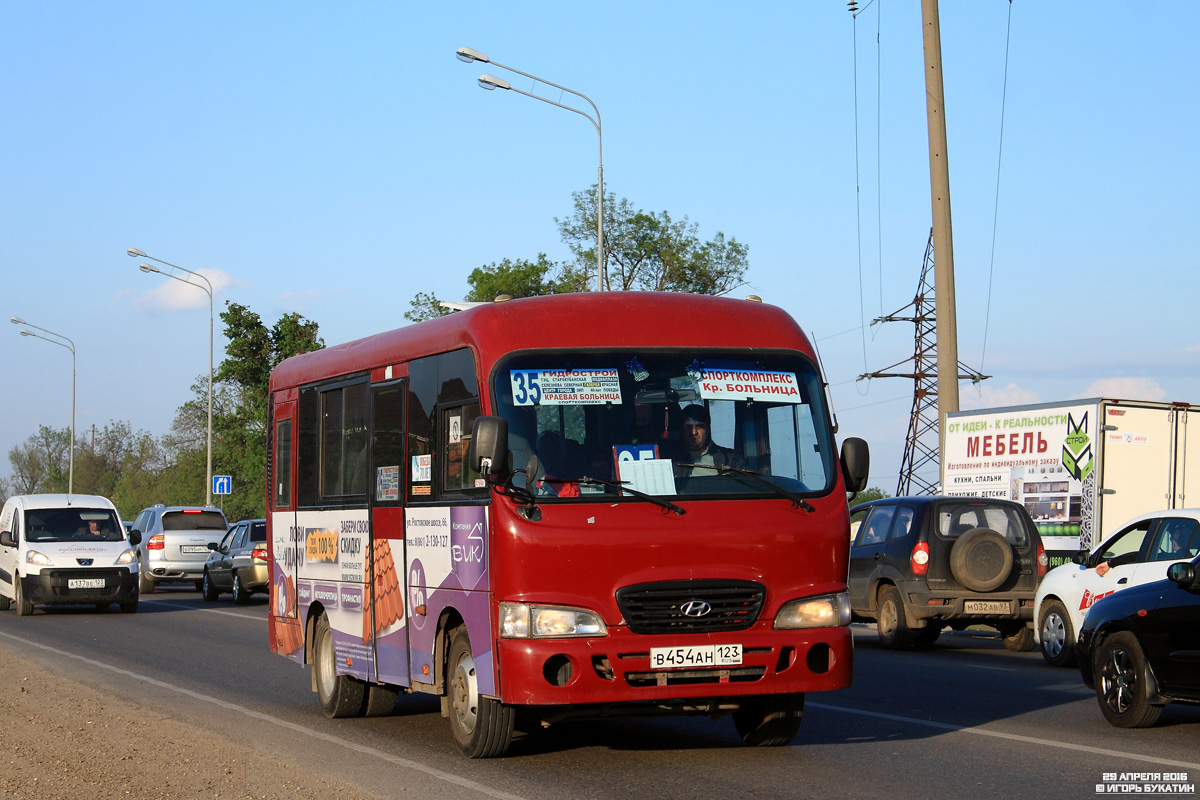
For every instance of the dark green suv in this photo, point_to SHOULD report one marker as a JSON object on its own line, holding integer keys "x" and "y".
{"x": 919, "y": 565}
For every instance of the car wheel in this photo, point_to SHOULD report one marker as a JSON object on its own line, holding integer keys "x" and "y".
{"x": 769, "y": 720}
{"x": 129, "y": 607}
{"x": 1017, "y": 639}
{"x": 928, "y": 635}
{"x": 4, "y": 603}
{"x": 378, "y": 700}
{"x": 482, "y": 727}
{"x": 199, "y": 585}
{"x": 24, "y": 607}
{"x": 894, "y": 632}
{"x": 1057, "y": 635}
{"x": 981, "y": 560}
{"x": 1121, "y": 683}
{"x": 240, "y": 593}
{"x": 145, "y": 585}
{"x": 210, "y": 592}
{"x": 339, "y": 695}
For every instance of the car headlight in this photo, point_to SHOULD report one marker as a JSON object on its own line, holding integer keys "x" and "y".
{"x": 128, "y": 557}
{"x": 523, "y": 621}
{"x": 41, "y": 559}
{"x": 826, "y": 611}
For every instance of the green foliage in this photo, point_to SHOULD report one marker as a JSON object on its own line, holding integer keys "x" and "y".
{"x": 425, "y": 306}
{"x": 873, "y": 493}
{"x": 518, "y": 278}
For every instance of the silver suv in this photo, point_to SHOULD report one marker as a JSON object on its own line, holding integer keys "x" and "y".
{"x": 175, "y": 543}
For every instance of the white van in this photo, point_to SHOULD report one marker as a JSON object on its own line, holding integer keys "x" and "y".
{"x": 59, "y": 549}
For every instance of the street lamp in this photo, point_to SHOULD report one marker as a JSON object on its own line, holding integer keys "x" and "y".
{"x": 490, "y": 82}
{"x": 135, "y": 253}
{"x": 70, "y": 346}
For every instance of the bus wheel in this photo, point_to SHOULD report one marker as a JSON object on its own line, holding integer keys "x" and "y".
{"x": 378, "y": 700}
{"x": 340, "y": 695}
{"x": 770, "y": 720}
{"x": 482, "y": 727}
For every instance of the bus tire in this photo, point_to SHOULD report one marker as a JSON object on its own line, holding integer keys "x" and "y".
{"x": 24, "y": 607}
{"x": 482, "y": 726}
{"x": 769, "y": 720}
{"x": 339, "y": 695}
{"x": 378, "y": 700}
{"x": 4, "y": 603}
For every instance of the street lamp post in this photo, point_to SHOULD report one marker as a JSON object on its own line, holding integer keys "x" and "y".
{"x": 135, "y": 253}
{"x": 491, "y": 82}
{"x": 70, "y": 346}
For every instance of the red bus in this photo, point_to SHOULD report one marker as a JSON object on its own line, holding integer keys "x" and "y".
{"x": 565, "y": 507}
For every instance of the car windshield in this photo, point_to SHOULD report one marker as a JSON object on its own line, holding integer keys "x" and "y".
{"x": 955, "y": 520}
{"x": 193, "y": 521}
{"x": 666, "y": 423}
{"x": 72, "y": 525}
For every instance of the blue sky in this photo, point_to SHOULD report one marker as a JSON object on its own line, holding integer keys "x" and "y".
{"x": 334, "y": 159}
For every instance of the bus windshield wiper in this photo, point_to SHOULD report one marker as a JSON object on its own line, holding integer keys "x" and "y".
{"x": 621, "y": 487}
{"x": 757, "y": 479}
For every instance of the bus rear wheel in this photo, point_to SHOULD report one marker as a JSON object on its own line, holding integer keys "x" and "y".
{"x": 482, "y": 726}
{"x": 339, "y": 695}
{"x": 770, "y": 721}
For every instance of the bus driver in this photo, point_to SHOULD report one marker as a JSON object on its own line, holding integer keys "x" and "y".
{"x": 696, "y": 446}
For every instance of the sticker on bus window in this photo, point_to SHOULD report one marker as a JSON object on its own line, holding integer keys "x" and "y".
{"x": 560, "y": 387}
{"x": 422, "y": 468}
{"x": 749, "y": 384}
{"x": 387, "y": 483}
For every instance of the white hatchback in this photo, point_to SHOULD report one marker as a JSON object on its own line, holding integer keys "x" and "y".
{"x": 1139, "y": 552}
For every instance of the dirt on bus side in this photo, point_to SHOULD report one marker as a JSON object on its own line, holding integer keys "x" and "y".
{"x": 63, "y": 741}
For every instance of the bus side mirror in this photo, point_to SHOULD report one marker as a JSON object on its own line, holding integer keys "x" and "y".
{"x": 489, "y": 446}
{"x": 856, "y": 464}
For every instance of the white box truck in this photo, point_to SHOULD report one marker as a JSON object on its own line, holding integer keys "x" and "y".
{"x": 1081, "y": 467}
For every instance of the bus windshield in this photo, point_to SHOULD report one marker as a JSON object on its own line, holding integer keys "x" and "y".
{"x": 668, "y": 423}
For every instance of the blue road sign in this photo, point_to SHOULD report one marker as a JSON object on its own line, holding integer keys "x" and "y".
{"x": 222, "y": 484}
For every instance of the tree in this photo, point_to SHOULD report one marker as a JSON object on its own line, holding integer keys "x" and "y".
{"x": 650, "y": 251}
{"x": 643, "y": 250}
{"x": 874, "y": 493}
{"x": 40, "y": 463}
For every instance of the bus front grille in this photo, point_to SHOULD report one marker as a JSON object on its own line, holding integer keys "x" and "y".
{"x": 700, "y": 606}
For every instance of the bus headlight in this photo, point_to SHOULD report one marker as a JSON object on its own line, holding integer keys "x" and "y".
{"x": 826, "y": 611}
{"x": 523, "y": 621}
{"x": 41, "y": 559}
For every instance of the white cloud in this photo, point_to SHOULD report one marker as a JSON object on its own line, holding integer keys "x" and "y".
{"x": 1125, "y": 389}
{"x": 986, "y": 396}
{"x": 173, "y": 295}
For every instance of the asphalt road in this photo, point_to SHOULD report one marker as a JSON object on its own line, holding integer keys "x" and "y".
{"x": 965, "y": 719}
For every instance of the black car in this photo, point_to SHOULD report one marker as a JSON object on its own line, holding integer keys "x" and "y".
{"x": 1140, "y": 648}
{"x": 919, "y": 565}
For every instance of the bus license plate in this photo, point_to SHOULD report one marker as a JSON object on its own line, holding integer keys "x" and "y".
{"x": 193, "y": 548}
{"x": 708, "y": 655}
{"x": 987, "y": 607}
{"x": 85, "y": 583}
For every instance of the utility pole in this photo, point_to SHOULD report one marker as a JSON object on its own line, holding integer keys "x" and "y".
{"x": 943, "y": 238}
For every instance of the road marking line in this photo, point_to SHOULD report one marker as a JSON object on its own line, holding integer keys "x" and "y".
{"x": 205, "y": 610}
{"x": 369, "y": 751}
{"x": 1015, "y": 737}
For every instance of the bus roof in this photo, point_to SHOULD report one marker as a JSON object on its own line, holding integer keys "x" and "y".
{"x": 582, "y": 320}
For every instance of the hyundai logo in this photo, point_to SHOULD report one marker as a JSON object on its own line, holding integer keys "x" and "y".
{"x": 695, "y": 608}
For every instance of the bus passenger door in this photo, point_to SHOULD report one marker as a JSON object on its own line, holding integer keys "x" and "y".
{"x": 287, "y": 637}
{"x": 385, "y": 621}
